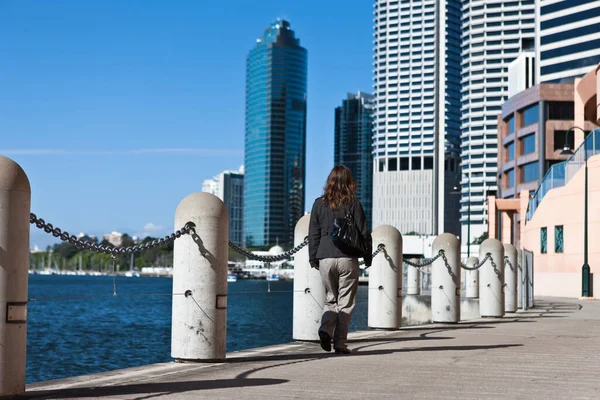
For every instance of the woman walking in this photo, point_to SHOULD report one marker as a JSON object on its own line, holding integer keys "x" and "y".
{"x": 338, "y": 267}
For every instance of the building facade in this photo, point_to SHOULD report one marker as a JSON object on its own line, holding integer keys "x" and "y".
{"x": 568, "y": 42}
{"x": 229, "y": 187}
{"x": 275, "y": 143}
{"x": 417, "y": 122}
{"x": 353, "y": 141}
{"x": 494, "y": 33}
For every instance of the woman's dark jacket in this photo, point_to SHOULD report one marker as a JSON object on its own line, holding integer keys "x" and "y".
{"x": 321, "y": 223}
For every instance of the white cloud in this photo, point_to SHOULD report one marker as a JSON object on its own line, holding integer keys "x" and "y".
{"x": 153, "y": 227}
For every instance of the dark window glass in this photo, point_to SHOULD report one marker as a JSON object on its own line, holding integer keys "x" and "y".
{"x": 381, "y": 165}
{"x": 510, "y": 176}
{"x": 571, "y": 33}
{"x": 562, "y": 5}
{"x": 561, "y": 110}
{"x": 543, "y": 240}
{"x": 531, "y": 115}
{"x": 531, "y": 172}
{"x": 511, "y": 124}
{"x": 510, "y": 149}
{"x": 567, "y": 50}
{"x": 428, "y": 162}
{"x": 528, "y": 144}
{"x": 559, "y": 140}
{"x": 416, "y": 163}
{"x": 403, "y": 163}
{"x": 392, "y": 164}
{"x": 568, "y": 65}
{"x": 567, "y": 19}
{"x": 558, "y": 239}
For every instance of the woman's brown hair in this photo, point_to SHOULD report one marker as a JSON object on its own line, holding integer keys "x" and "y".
{"x": 340, "y": 188}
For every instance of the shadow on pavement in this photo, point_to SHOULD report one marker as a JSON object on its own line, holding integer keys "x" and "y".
{"x": 158, "y": 389}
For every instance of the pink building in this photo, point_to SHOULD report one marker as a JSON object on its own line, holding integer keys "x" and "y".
{"x": 549, "y": 220}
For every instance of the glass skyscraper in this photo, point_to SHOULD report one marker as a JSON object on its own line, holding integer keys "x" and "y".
{"x": 353, "y": 144}
{"x": 275, "y": 145}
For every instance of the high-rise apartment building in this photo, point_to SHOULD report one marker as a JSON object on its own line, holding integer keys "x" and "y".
{"x": 568, "y": 40}
{"x": 353, "y": 144}
{"x": 416, "y": 134}
{"x": 494, "y": 33}
{"x": 275, "y": 146}
{"x": 229, "y": 187}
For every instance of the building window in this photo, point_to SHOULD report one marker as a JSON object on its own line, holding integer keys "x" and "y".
{"x": 510, "y": 149}
{"x": 428, "y": 162}
{"x": 531, "y": 172}
{"x": 393, "y": 164}
{"x": 381, "y": 165}
{"x": 561, "y": 110}
{"x": 558, "y": 239}
{"x": 543, "y": 240}
{"x": 511, "y": 124}
{"x": 559, "y": 140}
{"x": 510, "y": 177}
{"x": 404, "y": 163}
{"x": 416, "y": 163}
{"x": 531, "y": 115}
{"x": 528, "y": 144}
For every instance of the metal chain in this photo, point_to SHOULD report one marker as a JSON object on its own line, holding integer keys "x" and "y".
{"x": 478, "y": 265}
{"x": 446, "y": 263}
{"x": 496, "y": 270}
{"x": 98, "y": 248}
{"x": 426, "y": 262}
{"x": 379, "y": 249}
{"x": 507, "y": 261}
{"x": 278, "y": 257}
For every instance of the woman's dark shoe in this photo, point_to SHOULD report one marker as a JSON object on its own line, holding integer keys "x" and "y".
{"x": 325, "y": 340}
{"x": 343, "y": 350}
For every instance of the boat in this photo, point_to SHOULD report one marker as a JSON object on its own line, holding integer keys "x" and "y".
{"x": 273, "y": 277}
{"x": 231, "y": 278}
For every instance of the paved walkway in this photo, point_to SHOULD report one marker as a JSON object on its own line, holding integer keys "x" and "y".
{"x": 551, "y": 352}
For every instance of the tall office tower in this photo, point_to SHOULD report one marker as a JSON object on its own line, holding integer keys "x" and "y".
{"x": 275, "y": 148}
{"x": 494, "y": 33}
{"x": 353, "y": 145}
{"x": 229, "y": 187}
{"x": 568, "y": 39}
{"x": 416, "y": 134}
{"x": 521, "y": 73}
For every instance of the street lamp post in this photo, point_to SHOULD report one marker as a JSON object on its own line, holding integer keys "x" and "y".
{"x": 585, "y": 269}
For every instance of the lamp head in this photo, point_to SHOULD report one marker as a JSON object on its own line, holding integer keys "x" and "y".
{"x": 566, "y": 151}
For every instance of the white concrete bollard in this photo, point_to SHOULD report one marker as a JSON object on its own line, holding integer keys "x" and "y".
{"x": 491, "y": 279}
{"x": 472, "y": 279}
{"x": 385, "y": 280}
{"x": 413, "y": 279}
{"x": 199, "y": 325}
{"x": 519, "y": 279}
{"x": 510, "y": 278}
{"x": 445, "y": 279}
{"x": 309, "y": 292}
{"x": 15, "y": 206}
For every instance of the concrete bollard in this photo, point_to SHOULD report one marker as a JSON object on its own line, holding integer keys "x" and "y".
{"x": 413, "y": 279}
{"x": 445, "y": 279}
{"x": 472, "y": 279}
{"x": 199, "y": 325}
{"x": 385, "y": 280}
{"x": 15, "y": 206}
{"x": 491, "y": 279}
{"x": 510, "y": 278}
{"x": 519, "y": 279}
{"x": 309, "y": 292}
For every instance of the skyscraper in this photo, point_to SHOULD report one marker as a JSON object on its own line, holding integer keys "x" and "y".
{"x": 275, "y": 146}
{"x": 229, "y": 187}
{"x": 494, "y": 33}
{"x": 417, "y": 121}
{"x": 353, "y": 144}
{"x": 568, "y": 39}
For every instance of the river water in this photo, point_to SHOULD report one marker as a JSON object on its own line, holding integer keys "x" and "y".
{"x": 71, "y": 337}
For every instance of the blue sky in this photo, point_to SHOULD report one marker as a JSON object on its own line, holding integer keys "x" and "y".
{"x": 117, "y": 110}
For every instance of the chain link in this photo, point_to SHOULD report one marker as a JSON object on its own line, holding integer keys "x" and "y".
{"x": 426, "y": 262}
{"x": 507, "y": 262}
{"x": 99, "y": 248}
{"x": 379, "y": 249}
{"x": 283, "y": 256}
{"x": 496, "y": 270}
{"x": 478, "y": 265}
